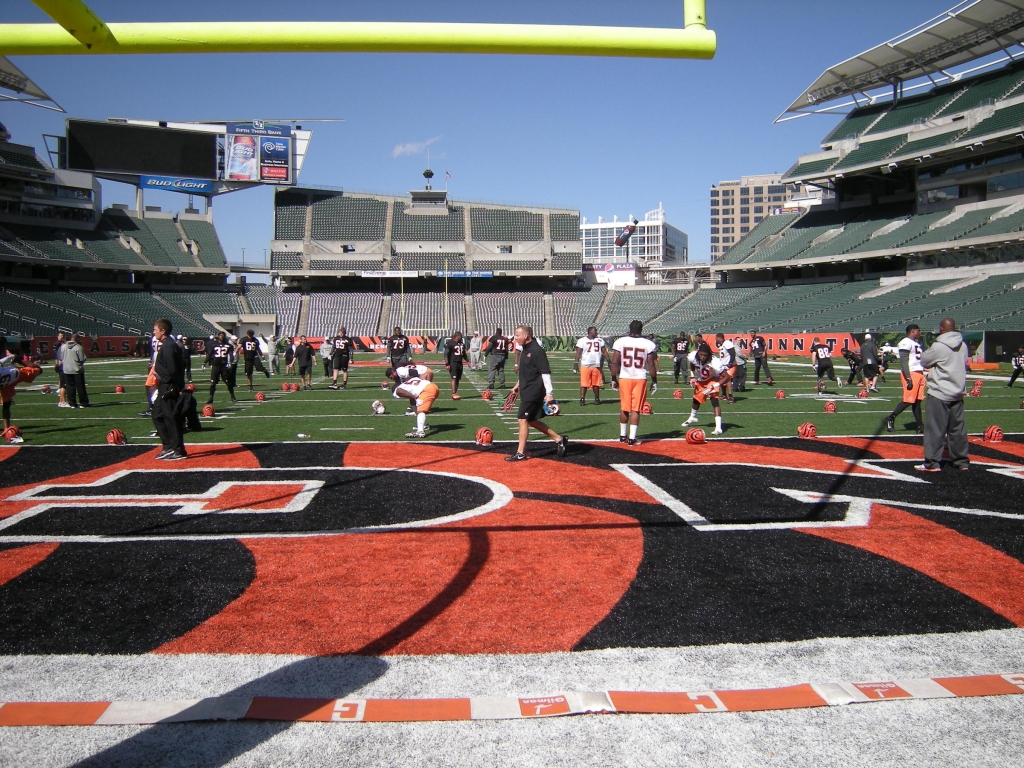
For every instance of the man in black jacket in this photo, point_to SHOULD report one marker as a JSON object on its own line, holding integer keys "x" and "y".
{"x": 534, "y": 390}
{"x": 170, "y": 375}
{"x": 759, "y": 352}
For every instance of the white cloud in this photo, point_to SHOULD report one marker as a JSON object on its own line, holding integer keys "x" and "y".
{"x": 414, "y": 147}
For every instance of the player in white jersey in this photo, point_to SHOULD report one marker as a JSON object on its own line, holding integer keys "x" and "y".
{"x": 912, "y": 378}
{"x": 707, "y": 375}
{"x": 633, "y": 359}
{"x": 591, "y": 351}
{"x": 421, "y": 393}
{"x": 727, "y": 354}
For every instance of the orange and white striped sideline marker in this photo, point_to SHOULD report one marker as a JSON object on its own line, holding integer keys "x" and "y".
{"x": 486, "y": 708}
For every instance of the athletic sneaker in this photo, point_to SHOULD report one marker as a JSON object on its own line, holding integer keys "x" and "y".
{"x": 154, "y": 433}
{"x": 633, "y": 442}
{"x": 17, "y": 439}
{"x": 146, "y": 412}
{"x": 517, "y": 457}
{"x": 582, "y": 401}
{"x": 250, "y": 389}
{"x": 716, "y": 432}
{"x": 332, "y": 386}
{"x": 343, "y": 386}
{"x": 175, "y": 456}
{"x": 416, "y": 433}
{"x": 233, "y": 400}
{"x": 689, "y": 421}
{"x": 597, "y": 401}
{"x": 890, "y": 424}
{"x": 873, "y": 389}
{"x": 562, "y": 446}
{"x": 926, "y": 468}
{"x": 164, "y": 454}
{"x": 920, "y": 430}
{"x": 622, "y": 439}
{"x": 410, "y": 411}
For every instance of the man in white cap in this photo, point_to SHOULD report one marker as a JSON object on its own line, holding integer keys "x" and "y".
{"x": 474, "y": 351}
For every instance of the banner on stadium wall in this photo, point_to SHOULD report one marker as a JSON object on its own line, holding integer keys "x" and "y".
{"x": 791, "y": 343}
{"x": 101, "y": 346}
{"x": 389, "y": 273}
{"x": 465, "y": 273}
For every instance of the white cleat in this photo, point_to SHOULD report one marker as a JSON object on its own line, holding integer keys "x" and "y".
{"x": 717, "y": 432}
{"x": 689, "y": 421}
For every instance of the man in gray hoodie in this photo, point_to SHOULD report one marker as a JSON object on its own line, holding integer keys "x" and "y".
{"x": 946, "y": 364}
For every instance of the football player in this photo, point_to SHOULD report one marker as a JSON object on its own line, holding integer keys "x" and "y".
{"x": 912, "y": 378}
{"x": 253, "y": 357}
{"x": 454, "y": 358}
{"x": 221, "y": 353}
{"x": 496, "y": 348}
{"x": 821, "y": 362}
{"x": 398, "y": 348}
{"x": 342, "y": 348}
{"x": 1018, "y": 365}
{"x": 680, "y": 349}
{"x": 707, "y": 375}
{"x": 13, "y": 371}
{"x": 727, "y": 352}
{"x": 591, "y": 352}
{"x": 421, "y": 393}
{"x": 634, "y": 358}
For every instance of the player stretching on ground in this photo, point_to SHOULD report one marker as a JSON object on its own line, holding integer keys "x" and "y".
{"x": 633, "y": 359}
{"x": 454, "y": 357}
{"x": 341, "y": 356}
{"x": 912, "y": 378}
{"x": 707, "y": 374}
{"x": 221, "y": 352}
{"x": 590, "y": 352}
{"x": 821, "y": 362}
{"x": 1018, "y": 365}
{"x": 421, "y": 393}
{"x": 13, "y": 373}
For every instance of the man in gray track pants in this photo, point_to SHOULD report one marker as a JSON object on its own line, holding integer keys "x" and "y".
{"x": 944, "y": 424}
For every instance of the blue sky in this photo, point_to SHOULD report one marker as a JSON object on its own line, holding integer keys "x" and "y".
{"x": 607, "y": 136}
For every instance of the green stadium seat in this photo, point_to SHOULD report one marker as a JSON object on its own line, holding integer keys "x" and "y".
{"x": 427, "y": 227}
{"x": 565, "y": 226}
{"x": 502, "y": 224}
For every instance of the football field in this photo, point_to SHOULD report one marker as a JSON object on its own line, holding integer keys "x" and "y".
{"x": 358, "y": 598}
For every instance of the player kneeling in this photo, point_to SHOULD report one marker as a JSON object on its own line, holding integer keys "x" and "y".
{"x": 13, "y": 372}
{"x": 421, "y": 392}
{"x": 708, "y": 374}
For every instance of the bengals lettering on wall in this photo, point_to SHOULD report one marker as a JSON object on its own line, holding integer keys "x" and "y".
{"x": 790, "y": 343}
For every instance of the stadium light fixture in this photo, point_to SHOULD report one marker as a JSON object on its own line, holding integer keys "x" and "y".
{"x": 80, "y": 31}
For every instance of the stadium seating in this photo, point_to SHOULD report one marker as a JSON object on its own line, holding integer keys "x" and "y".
{"x": 167, "y": 235}
{"x": 358, "y": 313}
{"x": 426, "y": 312}
{"x": 507, "y": 310}
{"x": 43, "y": 243}
{"x": 768, "y": 226}
{"x": 775, "y": 309}
{"x": 871, "y": 152}
{"x": 916, "y": 147}
{"x": 1005, "y": 225}
{"x": 20, "y": 159}
{"x": 565, "y": 260}
{"x": 290, "y": 222}
{"x": 626, "y": 306}
{"x": 855, "y": 123}
{"x": 262, "y": 299}
{"x": 986, "y": 89}
{"x": 798, "y": 237}
{"x": 1003, "y": 120}
{"x": 346, "y": 265}
{"x": 288, "y": 313}
{"x": 961, "y": 227}
{"x": 211, "y": 254}
{"x": 908, "y": 111}
{"x": 508, "y": 265}
{"x": 804, "y": 170}
{"x": 702, "y": 306}
{"x": 342, "y": 217}
{"x": 420, "y": 227}
{"x": 575, "y": 310}
{"x": 565, "y": 226}
{"x": 506, "y": 225}
{"x": 285, "y": 260}
{"x": 429, "y": 262}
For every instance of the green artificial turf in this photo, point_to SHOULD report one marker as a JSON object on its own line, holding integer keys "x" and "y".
{"x": 324, "y": 414}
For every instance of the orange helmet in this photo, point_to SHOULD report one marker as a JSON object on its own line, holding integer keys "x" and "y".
{"x": 994, "y": 434}
{"x": 119, "y": 389}
{"x": 830, "y": 406}
{"x": 484, "y": 436}
{"x": 647, "y": 410}
{"x": 116, "y": 437}
{"x": 678, "y": 394}
{"x": 486, "y": 395}
{"x": 780, "y": 394}
{"x": 260, "y": 397}
{"x": 807, "y": 430}
{"x": 208, "y": 410}
{"x": 695, "y": 436}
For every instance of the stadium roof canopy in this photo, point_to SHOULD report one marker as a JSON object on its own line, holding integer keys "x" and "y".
{"x": 25, "y": 91}
{"x": 970, "y": 31}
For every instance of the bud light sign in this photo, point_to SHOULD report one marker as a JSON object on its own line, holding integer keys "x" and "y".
{"x": 175, "y": 184}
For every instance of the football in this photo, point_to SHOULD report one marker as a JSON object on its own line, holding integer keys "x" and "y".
{"x": 807, "y": 431}
{"x": 696, "y": 436}
{"x": 994, "y": 434}
{"x": 830, "y": 406}
{"x": 116, "y": 437}
{"x": 119, "y": 389}
{"x": 484, "y": 436}
{"x": 208, "y": 410}
{"x": 260, "y": 397}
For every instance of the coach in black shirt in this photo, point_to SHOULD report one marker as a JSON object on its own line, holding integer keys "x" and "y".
{"x": 169, "y": 368}
{"x": 534, "y": 389}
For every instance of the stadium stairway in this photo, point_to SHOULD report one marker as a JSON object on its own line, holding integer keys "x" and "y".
{"x": 549, "y": 314}
{"x": 470, "y": 315}
{"x": 303, "y": 314}
{"x": 602, "y": 310}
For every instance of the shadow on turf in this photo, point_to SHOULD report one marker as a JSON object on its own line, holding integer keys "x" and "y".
{"x": 215, "y": 744}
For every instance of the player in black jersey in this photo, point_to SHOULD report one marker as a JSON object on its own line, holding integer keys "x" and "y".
{"x": 1018, "y": 365}
{"x": 398, "y": 348}
{"x": 454, "y": 356}
{"x": 341, "y": 355}
{"x": 253, "y": 356}
{"x": 221, "y": 354}
{"x": 497, "y": 348}
{"x": 680, "y": 349}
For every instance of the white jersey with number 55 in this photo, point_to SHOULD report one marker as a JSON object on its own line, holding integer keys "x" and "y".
{"x": 633, "y": 352}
